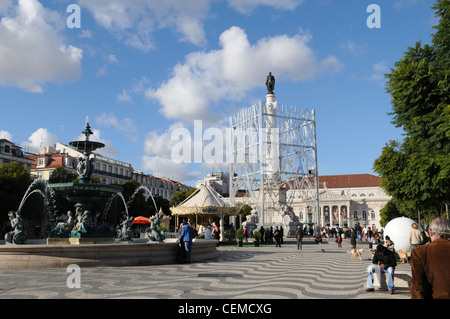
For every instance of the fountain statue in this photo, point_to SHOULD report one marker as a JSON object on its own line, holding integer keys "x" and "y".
{"x": 17, "y": 235}
{"x": 127, "y": 233}
{"x": 153, "y": 233}
{"x": 84, "y": 224}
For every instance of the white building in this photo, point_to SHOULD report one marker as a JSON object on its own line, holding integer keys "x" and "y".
{"x": 10, "y": 152}
{"x": 163, "y": 187}
{"x": 344, "y": 200}
{"x": 107, "y": 170}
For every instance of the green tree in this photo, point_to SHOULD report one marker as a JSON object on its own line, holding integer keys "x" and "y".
{"x": 244, "y": 211}
{"x": 14, "y": 181}
{"x": 161, "y": 203}
{"x": 389, "y": 212}
{"x": 416, "y": 171}
{"x": 138, "y": 205}
{"x": 179, "y": 197}
{"x": 61, "y": 175}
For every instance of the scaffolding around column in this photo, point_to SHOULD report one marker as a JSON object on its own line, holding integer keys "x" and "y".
{"x": 273, "y": 152}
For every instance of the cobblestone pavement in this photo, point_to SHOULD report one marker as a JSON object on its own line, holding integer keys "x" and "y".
{"x": 317, "y": 271}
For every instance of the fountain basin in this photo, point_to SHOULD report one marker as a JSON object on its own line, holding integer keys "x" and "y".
{"x": 31, "y": 256}
{"x": 82, "y": 192}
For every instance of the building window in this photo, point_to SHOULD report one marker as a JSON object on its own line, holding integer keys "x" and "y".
{"x": 364, "y": 215}
{"x": 355, "y": 215}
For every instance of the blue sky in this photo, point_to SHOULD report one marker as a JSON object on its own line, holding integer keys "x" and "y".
{"x": 140, "y": 68}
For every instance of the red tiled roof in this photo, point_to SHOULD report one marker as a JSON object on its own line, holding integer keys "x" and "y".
{"x": 350, "y": 181}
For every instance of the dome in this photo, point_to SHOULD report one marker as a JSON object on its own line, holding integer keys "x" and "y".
{"x": 398, "y": 230}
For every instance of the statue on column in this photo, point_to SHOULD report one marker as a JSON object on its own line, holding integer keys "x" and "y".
{"x": 270, "y": 83}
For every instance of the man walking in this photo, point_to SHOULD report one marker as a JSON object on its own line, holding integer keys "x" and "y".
{"x": 299, "y": 237}
{"x": 430, "y": 264}
{"x": 276, "y": 236}
{"x": 187, "y": 235}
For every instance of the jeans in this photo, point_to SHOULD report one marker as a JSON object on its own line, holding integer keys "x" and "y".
{"x": 187, "y": 249}
{"x": 374, "y": 268}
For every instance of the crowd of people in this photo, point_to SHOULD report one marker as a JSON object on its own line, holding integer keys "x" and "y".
{"x": 429, "y": 258}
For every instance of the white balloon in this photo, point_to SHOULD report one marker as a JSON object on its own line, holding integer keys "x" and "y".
{"x": 398, "y": 231}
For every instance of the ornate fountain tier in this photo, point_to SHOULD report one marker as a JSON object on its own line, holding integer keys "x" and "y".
{"x": 86, "y": 146}
{"x": 83, "y": 193}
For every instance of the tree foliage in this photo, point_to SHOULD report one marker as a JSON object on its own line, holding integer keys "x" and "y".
{"x": 61, "y": 175}
{"x": 179, "y": 197}
{"x": 416, "y": 171}
{"x": 14, "y": 181}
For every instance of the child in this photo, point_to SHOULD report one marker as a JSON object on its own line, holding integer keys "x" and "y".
{"x": 339, "y": 240}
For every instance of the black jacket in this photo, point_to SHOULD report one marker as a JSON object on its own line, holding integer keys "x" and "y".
{"x": 387, "y": 258}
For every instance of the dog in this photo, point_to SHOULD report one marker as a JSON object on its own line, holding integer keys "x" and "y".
{"x": 356, "y": 253}
{"x": 403, "y": 254}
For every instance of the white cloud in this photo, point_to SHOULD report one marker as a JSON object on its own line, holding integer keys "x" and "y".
{"x": 158, "y": 156}
{"x": 160, "y": 144}
{"x": 163, "y": 167}
{"x": 206, "y": 78}
{"x": 245, "y": 6}
{"x": 353, "y": 48}
{"x": 124, "y": 96}
{"x": 134, "y": 22}
{"x": 108, "y": 151}
{"x": 41, "y": 138}
{"x": 32, "y": 50}
{"x": 379, "y": 70}
{"x": 124, "y": 125}
{"x": 6, "y": 135}
{"x": 138, "y": 87}
{"x": 401, "y": 4}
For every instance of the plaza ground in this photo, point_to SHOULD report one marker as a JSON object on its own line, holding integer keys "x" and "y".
{"x": 316, "y": 272}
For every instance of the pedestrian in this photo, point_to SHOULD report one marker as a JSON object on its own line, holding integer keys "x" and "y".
{"x": 389, "y": 244}
{"x": 339, "y": 240}
{"x": 246, "y": 234}
{"x": 353, "y": 239}
{"x": 216, "y": 232}
{"x": 383, "y": 261}
{"x": 208, "y": 233}
{"x": 372, "y": 241}
{"x": 299, "y": 237}
{"x": 430, "y": 264}
{"x": 318, "y": 239}
{"x": 415, "y": 236}
{"x": 263, "y": 239}
{"x": 276, "y": 237}
{"x": 187, "y": 235}
{"x": 281, "y": 235}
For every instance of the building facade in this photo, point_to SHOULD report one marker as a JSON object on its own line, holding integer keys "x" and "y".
{"x": 344, "y": 201}
{"x": 10, "y": 152}
{"x": 163, "y": 187}
{"x": 107, "y": 170}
